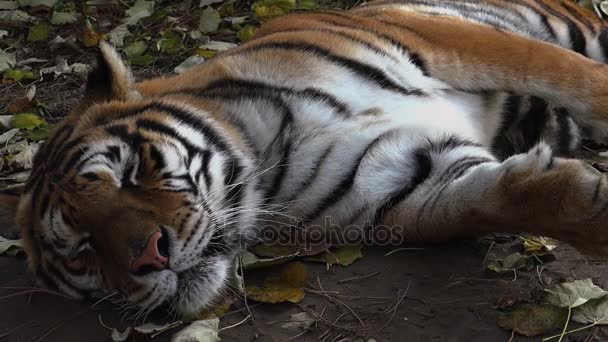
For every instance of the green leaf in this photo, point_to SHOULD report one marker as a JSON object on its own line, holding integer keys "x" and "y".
{"x": 308, "y": 5}
{"x": 343, "y": 256}
{"x": 170, "y": 42}
{"x": 268, "y": 9}
{"x": 38, "y": 32}
{"x": 27, "y": 121}
{"x": 10, "y": 247}
{"x": 512, "y": 262}
{"x": 574, "y": 294}
{"x": 39, "y": 133}
{"x": 209, "y": 21}
{"x": 63, "y": 18}
{"x": 17, "y": 75}
{"x": 136, "y": 48}
{"x": 594, "y": 311}
{"x": 142, "y": 60}
{"x": 247, "y": 32}
{"x": 534, "y": 320}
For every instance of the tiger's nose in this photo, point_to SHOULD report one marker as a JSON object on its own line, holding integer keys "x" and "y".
{"x": 151, "y": 258}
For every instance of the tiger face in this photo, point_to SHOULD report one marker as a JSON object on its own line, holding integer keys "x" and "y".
{"x": 137, "y": 197}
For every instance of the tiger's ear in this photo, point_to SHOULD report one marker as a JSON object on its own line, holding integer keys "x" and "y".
{"x": 110, "y": 79}
{"x": 9, "y": 200}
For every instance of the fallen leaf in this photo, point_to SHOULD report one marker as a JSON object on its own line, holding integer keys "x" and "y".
{"x": 136, "y": 48}
{"x": 118, "y": 34}
{"x": 3, "y": 33}
{"x": 283, "y": 283}
{"x": 538, "y": 244}
{"x": 63, "y": 18}
{"x": 59, "y": 42}
{"x": 342, "y": 256}
{"x": 16, "y": 16}
{"x": 36, "y": 3}
{"x": 27, "y": 121}
{"x": 217, "y": 46}
{"x": 8, "y": 5}
{"x": 534, "y": 320}
{"x": 209, "y": 21}
{"x": 10, "y": 247}
{"x": 199, "y": 331}
{"x": 251, "y": 261}
{"x": 594, "y": 311}
{"x": 188, "y": 63}
{"x": 17, "y": 75}
{"x": 24, "y": 159}
{"x": 38, "y": 32}
{"x": 7, "y": 60}
{"x": 512, "y": 262}
{"x": 118, "y": 336}
{"x": 574, "y": 293}
{"x": 39, "y": 133}
{"x": 204, "y": 3}
{"x": 215, "y": 311}
{"x": 170, "y": 42}
{"x": 247, "y": 32}
{"x": 308, "y": 5}
{"x": 268, "y": 9}
{"x": 8, "y": 135}
{"x": 141, "y": 9}
{"x": 142, "y": 60}
{"x": 300, "y": 321}
{"x": 151, "y": 328}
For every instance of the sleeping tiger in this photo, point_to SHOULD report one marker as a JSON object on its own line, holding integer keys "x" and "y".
{"x": 444, "y": 118}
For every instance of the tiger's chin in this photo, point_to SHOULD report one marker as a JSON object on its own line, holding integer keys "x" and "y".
{"x": 191, "y": 291}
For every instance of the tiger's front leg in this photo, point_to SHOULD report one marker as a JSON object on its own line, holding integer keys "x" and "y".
{"x": 533, "y": 192}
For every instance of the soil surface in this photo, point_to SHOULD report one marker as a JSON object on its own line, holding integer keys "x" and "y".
{"x": 449, "y": 296}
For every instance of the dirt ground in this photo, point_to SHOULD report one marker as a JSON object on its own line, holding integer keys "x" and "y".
{"x": 450, "y": 297}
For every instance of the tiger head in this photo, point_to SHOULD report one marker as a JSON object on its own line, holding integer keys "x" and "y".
{"x": 144, "y": 196}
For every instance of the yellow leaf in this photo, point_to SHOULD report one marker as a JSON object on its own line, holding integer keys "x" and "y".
{"x": 283, "y": 283}
{"x": 246, "y": 33}
{"x": 38, "y": 32}
{"x": 27, "y": 121}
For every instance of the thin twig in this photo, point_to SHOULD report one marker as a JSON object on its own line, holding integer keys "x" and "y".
{"x": 357, "y": 278}
{"x": 404, "y": 249}
{"x": 235, "y": 325}
{"x": 341, "y": 302}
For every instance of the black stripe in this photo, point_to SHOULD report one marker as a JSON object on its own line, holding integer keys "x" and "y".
{"x": 564, "y": 139}
{"x": 206, "y": 157}
{"x": 502, "y": 146}
{"x": 577, "y": 39}
{"x": 316, "y": 170}
{"x": 337, "y": 193}
{"x": 360, "y": 69}
{"x": 280, "y": 175}
{"x": 159, "y": 127}
{"x": 423, "y": 167}
{"x": 534, "y": 122}
{"x": 157, "y": 157}
{"x": 603, "y": 41}
{"x": 233, "y": 89}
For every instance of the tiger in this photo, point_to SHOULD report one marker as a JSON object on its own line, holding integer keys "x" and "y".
{"x": 445, "y": 118}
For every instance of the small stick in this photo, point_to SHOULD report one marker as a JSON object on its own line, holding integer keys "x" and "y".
{"x": 404, "y": 249}
{"x": 235, "y": 325}
{"x": 357, "y": 278}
